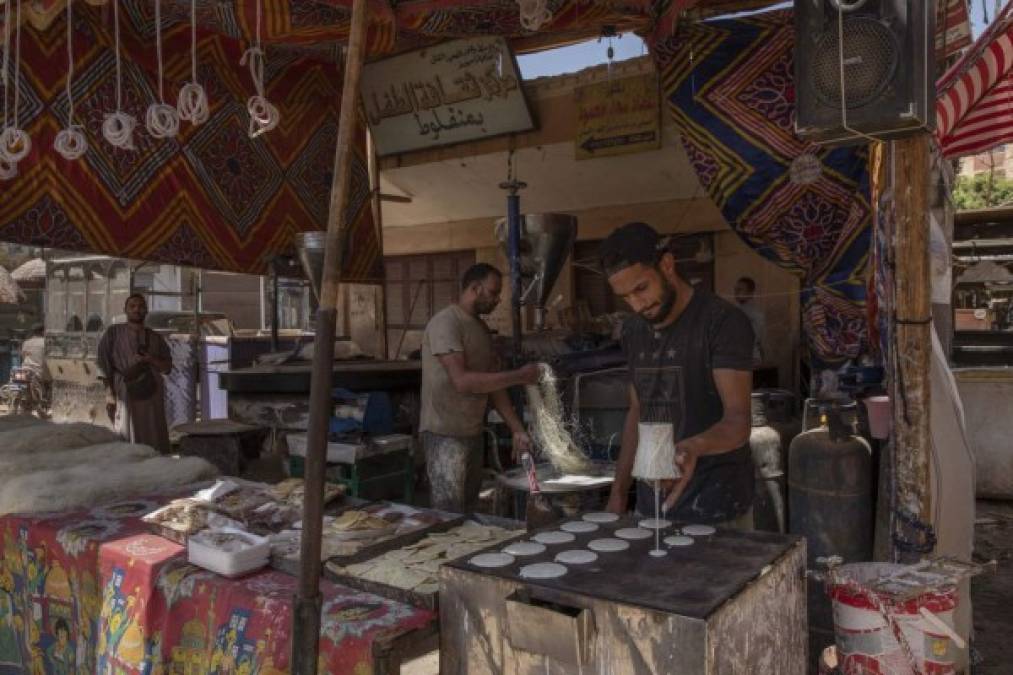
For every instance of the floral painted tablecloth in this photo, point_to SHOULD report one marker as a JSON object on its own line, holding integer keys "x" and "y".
{"x": 93, "y": 592}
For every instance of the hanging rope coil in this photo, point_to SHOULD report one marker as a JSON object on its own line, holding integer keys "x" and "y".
{"x": 70, "y": 142}
{"x": 264, "y": 116}
{"x": 534, "y": 14}
{"x": 161, "y": 120}
{"x": 15, "y": 143}
{"x": 192, "y": 104}
{"x": 118, "y": 127}
{"x": 8, "y": 170}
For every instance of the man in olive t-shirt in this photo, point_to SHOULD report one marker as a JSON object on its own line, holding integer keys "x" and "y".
{"x": 459, "y": 378}
{"x": 690, "y": 356}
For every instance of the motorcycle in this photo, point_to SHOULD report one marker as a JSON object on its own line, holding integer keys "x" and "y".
{"x": 15, "y": 393}
{"x": 26, "y": 393}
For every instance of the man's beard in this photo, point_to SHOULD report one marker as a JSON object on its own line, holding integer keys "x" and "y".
{"x": 668, "y": 299}
{"x": 485, "y": 306}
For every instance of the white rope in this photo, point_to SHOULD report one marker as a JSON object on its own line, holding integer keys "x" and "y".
{"x": 161, "y": 120}
{"x": 8, "y": 169}
{"x": 70, "y": 142}
{"x": 534, "y": 14}
{"x": 263, "y": 115}
{"x": 192, "y": 104}
{"x": 15, "y": 143}
{"x": 118, "y": 127}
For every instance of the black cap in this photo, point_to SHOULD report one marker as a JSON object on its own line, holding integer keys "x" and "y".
{"x": 631, "y": 244}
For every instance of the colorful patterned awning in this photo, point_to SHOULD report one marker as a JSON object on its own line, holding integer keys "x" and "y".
{"x": 974, "y": 110}
{"x": 396, "y": 25}
{"x": 210, "y": 197}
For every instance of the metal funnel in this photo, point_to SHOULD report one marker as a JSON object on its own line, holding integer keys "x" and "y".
{"x": 546, "y": 242}
{"x": 310, "y": 247}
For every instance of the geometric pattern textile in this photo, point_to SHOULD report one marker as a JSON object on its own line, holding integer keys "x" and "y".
{"x": 319, "y": 25}
{"x": 729, "y": 87}
{"x": 211, "y": 197}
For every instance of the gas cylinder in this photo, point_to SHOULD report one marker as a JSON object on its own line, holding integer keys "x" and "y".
{"x": 782, "y": 415}
{"x": 768, "y": 463}
{"x": 830, "y": 500}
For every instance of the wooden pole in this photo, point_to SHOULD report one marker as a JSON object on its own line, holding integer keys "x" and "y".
{"x": 306, "y": 617}
{"x": 912, "y": 499}
{"x": 374, "y": 185}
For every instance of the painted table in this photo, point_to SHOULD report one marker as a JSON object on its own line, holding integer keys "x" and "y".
{"x": 93, "y": 592}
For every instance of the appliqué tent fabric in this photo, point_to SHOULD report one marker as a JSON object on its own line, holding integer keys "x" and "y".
{"x": 729, "y": 88}
{"x": 211, "y": 197}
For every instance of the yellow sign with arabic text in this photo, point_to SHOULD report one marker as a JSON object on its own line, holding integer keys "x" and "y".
{"x": 618, "y": 117}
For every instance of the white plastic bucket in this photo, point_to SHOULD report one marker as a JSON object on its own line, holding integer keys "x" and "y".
{"x": 866, "y": 643}
{"x": 880, "y": 416}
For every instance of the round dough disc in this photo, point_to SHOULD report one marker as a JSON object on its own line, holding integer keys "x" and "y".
{"x": 492, "y": 560}
{"x": 525, "y": 548}
{"x": 576, "y": 557}
{"x": 553, "y": 537}
{"x": 600, "y": 517}
{"x": 655, "y": 523}
{"x": 679, "y": 540}
{"x": 543, "y": 570}
{"x": 634, "y": 533}
{"x": 578, "y": 526}
{"x": 698, "y": 530}
{"x": 608, "y": 545}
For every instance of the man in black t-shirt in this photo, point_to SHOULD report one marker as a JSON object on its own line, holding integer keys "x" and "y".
{"x": 690, "y": 356}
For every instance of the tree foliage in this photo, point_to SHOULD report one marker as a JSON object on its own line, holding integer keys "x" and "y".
{"x": 982, "y": 191}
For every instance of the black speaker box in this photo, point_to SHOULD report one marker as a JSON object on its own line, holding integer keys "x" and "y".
{"x": 888, "y": 67}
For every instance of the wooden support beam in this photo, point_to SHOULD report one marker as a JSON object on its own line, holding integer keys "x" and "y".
{"x": 912, "y": 349}
{"x": 306, "y": 614}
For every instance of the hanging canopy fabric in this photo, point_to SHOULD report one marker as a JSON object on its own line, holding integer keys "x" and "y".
{"x": 974, "y": 108}
{"x": 211, "y": 197}
{"x": 730, "y": 90}
{"x": 393, "y": 26}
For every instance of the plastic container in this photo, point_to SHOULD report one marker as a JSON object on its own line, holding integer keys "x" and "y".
{"x": 880, "y": 416}
{"x": 866, "y": 642}
{"x": 252, "y": 553}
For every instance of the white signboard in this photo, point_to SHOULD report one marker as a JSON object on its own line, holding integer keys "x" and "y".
{"x": 451, "y": 93}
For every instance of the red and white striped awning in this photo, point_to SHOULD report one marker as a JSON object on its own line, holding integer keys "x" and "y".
{"x": 974, "y": 105}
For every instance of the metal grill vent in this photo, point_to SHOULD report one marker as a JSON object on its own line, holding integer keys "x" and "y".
{"x": 870, "y": 61}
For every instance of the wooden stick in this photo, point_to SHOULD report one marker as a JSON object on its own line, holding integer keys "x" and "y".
{"x": 913, "y": 338}
{"x": 374, "y": 185}
{"x": 306, "y": 617}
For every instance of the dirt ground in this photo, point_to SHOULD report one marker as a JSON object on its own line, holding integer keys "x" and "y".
{"x": 992, "y": 593}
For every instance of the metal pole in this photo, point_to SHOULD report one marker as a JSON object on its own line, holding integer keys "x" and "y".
{"x": 514, "y": 252}
{"x": 306, "y": 614}
{"x": 274, "y": 306}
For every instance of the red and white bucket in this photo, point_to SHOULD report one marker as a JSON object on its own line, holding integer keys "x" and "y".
{"x": 867, "y": 641}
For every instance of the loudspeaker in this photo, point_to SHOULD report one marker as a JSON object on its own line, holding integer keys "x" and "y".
{"x": 889, "y": 68}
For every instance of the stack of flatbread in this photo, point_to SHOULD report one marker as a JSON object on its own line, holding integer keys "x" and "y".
{"x": 358, "y": 525}
{"x": 417, "y": 567}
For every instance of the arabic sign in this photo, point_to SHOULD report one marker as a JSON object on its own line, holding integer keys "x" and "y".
{"x": 454, "y": 92}
{"x": 618, "y": 117}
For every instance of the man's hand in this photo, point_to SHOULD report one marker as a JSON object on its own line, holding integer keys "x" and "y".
{"x": 617, "y": 503}
{"x": 521, "y": 444}
{"x": 685, "y": 461}
{"x": 529, "y": 373}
